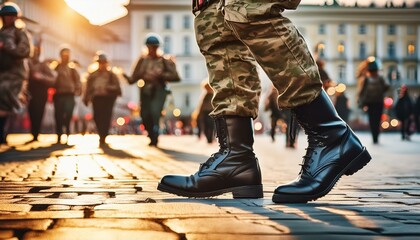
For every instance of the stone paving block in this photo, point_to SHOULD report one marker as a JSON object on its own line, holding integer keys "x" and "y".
{"x": 119, "y": 201}
{"x": 6, "y": 234}
{"x": 89, "y": 190}
{"x": 14, "y": 190}
{"x": 35, "y": 195}
{"x": 42, "y": 215}
{"x": 160, "y": 210}
{"x": 59, "y": 201}
{"x": 15, "y": 207}
{"x": 413, "y": 192}
{"x": 42, "y": 224}
{"x": 220, "y": 225}
{"x": 9, "y": 201}
{"x": 95, "y": 233}
{"x": 403, "y": 230}
{"x": 58, "y": 208}
{"x": 315, "y": 226}
{"x": 7, "y": 195}
{"x": 133, "y": 224}
{"x": 218, "y": 236}
{"x": 68, "y": 195}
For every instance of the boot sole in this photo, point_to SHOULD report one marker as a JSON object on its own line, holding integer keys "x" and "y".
{"x": 253, "y": 191}
{"x": 358, "y": 163}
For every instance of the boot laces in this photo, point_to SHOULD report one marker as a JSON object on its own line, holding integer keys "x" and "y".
{"x": 315, "y": 140}
{"x": 223, "y": 148}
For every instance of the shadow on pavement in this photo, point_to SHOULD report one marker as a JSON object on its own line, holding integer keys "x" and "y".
{"x": 321, "y": 219}
{"x": 24, "y": 152}
{"x": 116, "y": 152}
{"x": 183, "y": 156}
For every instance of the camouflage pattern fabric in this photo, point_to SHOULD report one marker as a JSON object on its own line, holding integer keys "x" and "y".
{"x": 233, "y": 43}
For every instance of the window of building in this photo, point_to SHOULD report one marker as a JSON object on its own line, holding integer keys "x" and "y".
{"x": 393, "y": 74}
{"x": 187, "y": 100}
{"x": 322, "y": 29}
{"x": 342, "y": 73}
{"x": 362, "y": 29}
{"x": 412, "y": 74}
{"x": 411, "y": 49}
{"x": 167, "y": 44}
{"x": 362, "y": 50}
{"x": 167, "y": 22}
{"x": 411, "y": 30}
{"x": 342, "y": 29}
{"x": 186, "y": 22}
{"x": 341, "y": 49}
{"x": 391, "y": 50}
{"x": 187, "y": 71}
{"x": 187, "y": 45}
{"x": 392, "y": 29}
{"x": 148, "y": 22}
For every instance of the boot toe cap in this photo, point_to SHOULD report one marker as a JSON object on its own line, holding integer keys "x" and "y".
{"x": 174, "y": 181}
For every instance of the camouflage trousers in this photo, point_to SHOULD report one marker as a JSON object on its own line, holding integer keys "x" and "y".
{"x": 236, "y": 35}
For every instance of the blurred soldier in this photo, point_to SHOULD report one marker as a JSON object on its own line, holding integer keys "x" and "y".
{"x": 234, "y": 35}
{"x": 41, "y": 77}
{"x": 404, "y": 110}
{"x": 325, "y": 78}
{"x": 153, "y": 71}
{"x": 67, "y": 86}
{"x": 371, "y": 96}
{"x": 102, "y": 89}
{"x": 15, "y": 47}
{"x": 204, "y": 121}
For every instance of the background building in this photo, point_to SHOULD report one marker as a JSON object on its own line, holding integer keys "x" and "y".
{"x": 341, "y": 35}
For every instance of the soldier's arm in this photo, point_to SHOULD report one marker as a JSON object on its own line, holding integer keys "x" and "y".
{"x": 137, "y": 73}
{"x": 23, "y": 46}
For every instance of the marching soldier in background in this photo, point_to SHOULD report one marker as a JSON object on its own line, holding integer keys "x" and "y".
{"x": 235, "y": 35}
{"x": 102, "y": 89}
{"x": 41, "y": 77}
{"x": 67, "y": 86}
{"x": 153, "y": 71}
{"x": 15, "y": 47}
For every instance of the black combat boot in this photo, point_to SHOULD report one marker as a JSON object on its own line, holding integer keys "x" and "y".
{"x": 333, "y": 150}
{"x": 234, "y": 168}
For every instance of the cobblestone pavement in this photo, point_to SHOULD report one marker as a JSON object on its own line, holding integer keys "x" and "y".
{"x": 79, "y": 191}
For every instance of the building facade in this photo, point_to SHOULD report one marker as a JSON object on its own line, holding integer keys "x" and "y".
{"x": 343, "y": 36}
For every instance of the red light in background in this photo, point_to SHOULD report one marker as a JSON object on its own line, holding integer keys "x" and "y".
{"x": 51, "y": 92}
{"x": 131, "y": 105}
{"x": 388, "y": 102}
{"x": 88, "y": 116}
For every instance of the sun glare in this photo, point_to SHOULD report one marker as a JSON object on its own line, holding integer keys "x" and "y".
{"x": 100, "y": 12}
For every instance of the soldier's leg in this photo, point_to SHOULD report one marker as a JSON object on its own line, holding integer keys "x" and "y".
{"x": 233, "y": 76}
{"x": 333, "y": 148}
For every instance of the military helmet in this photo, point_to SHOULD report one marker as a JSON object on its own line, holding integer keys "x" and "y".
{"x": 374, "y": 65}
{"x": 10, "y": 9}
{"x": 101, "y": 58}
{"x": 152, "y": 40}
